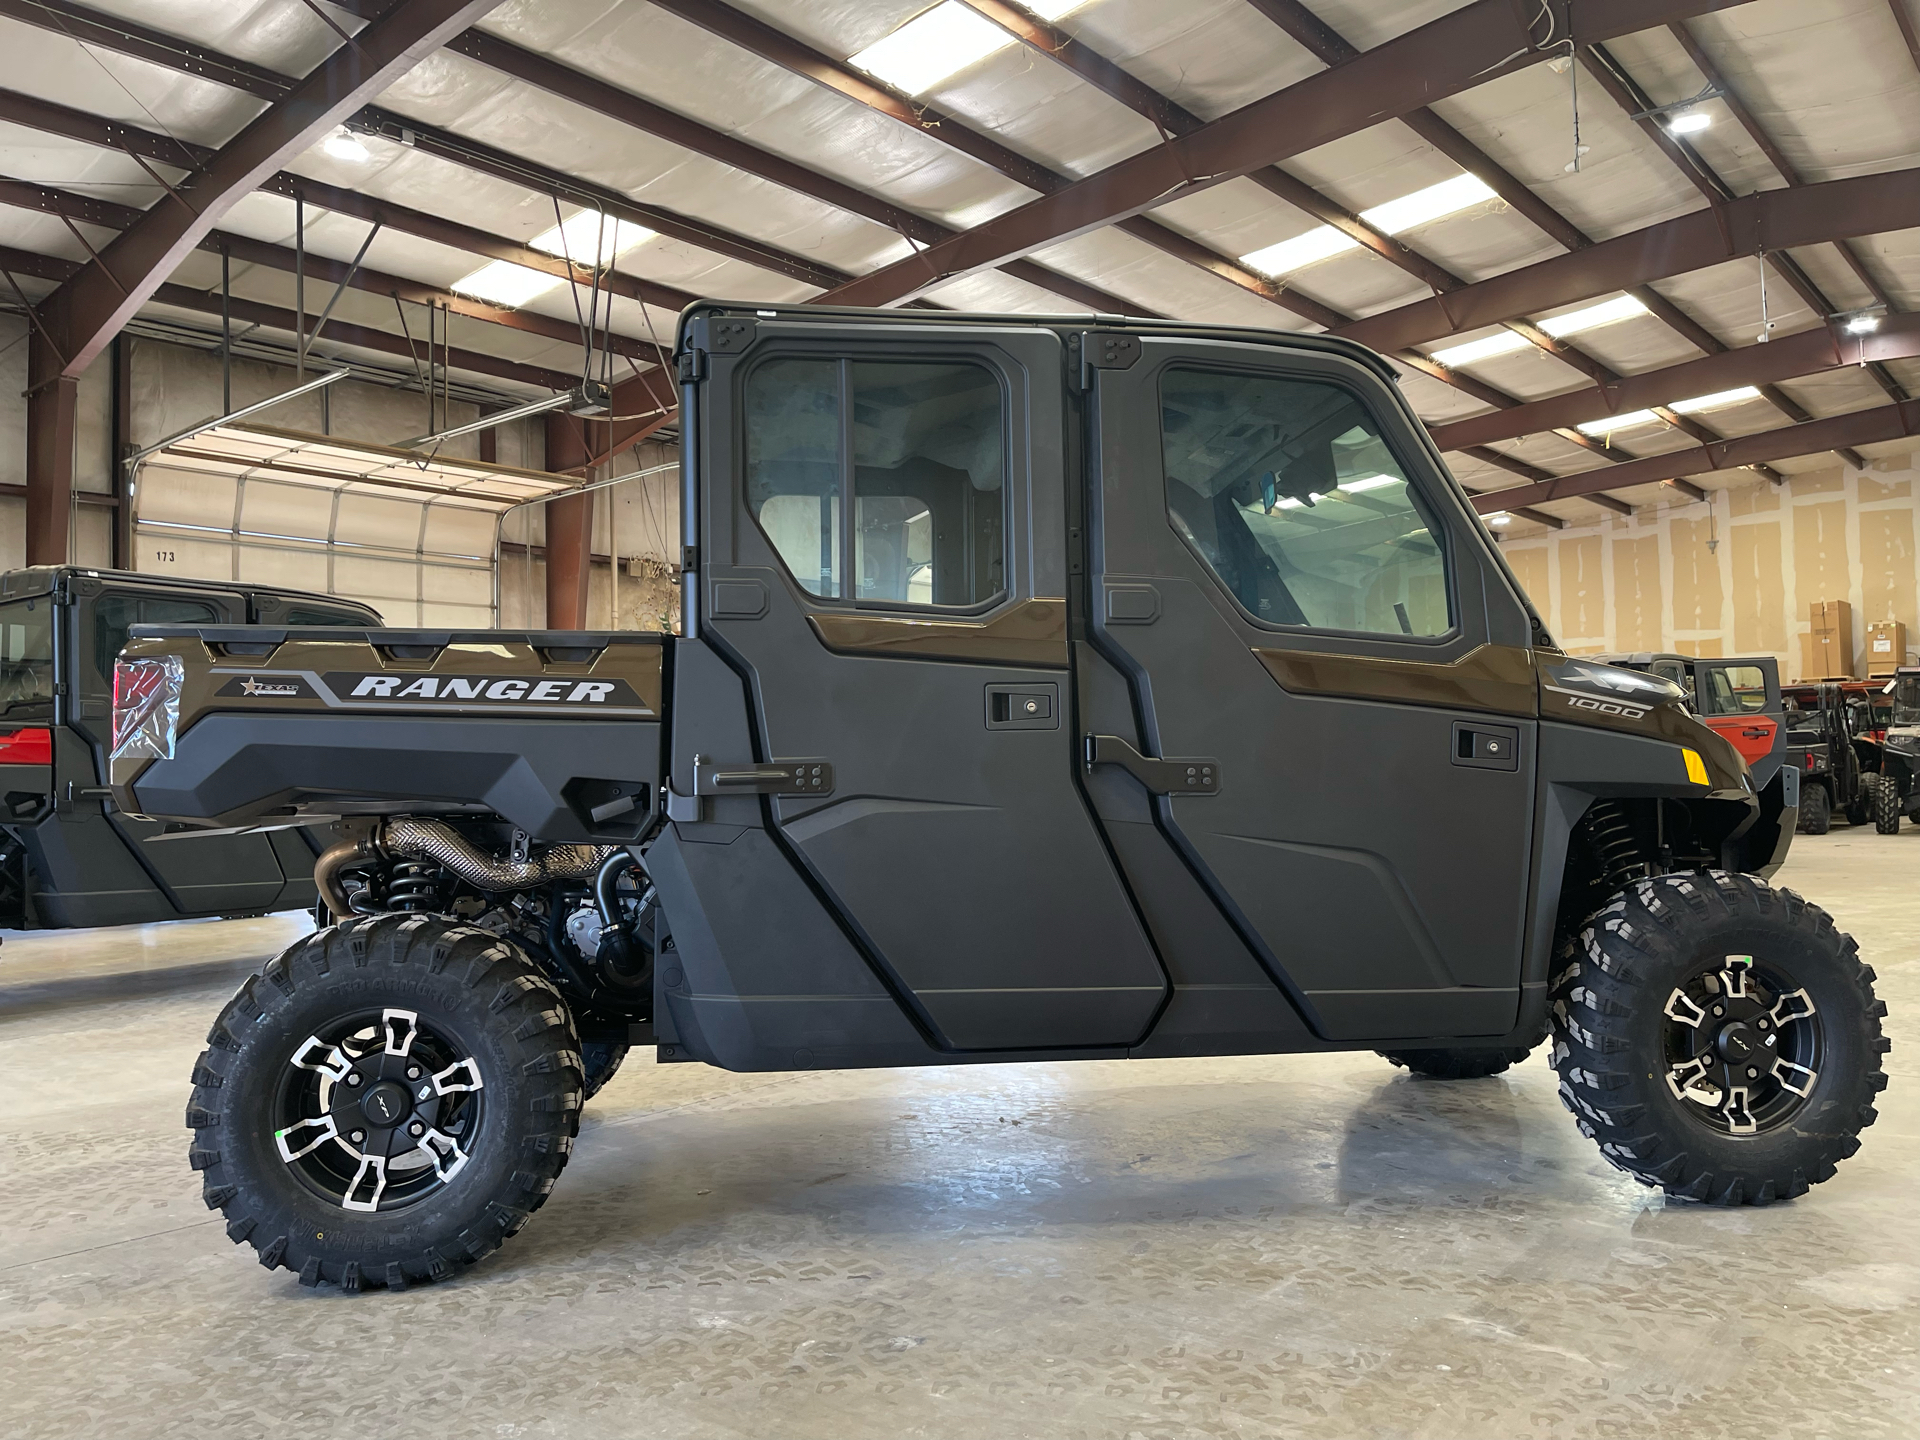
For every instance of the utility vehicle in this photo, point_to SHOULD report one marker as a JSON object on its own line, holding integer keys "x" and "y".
{"x": 66, "y": 858}
{"x": 1739, "y": 697}
{"x": 1824, "y": 744}
{"x": 1897, "y": 788}
{"x": 1049, "y": 689}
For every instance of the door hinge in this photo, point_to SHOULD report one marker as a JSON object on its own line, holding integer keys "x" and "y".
{"x": 1102, "y": 350}
{"x": 1161, "y": 777}
{"x": 689, "y": 559}
{"x": 690, "y": 365}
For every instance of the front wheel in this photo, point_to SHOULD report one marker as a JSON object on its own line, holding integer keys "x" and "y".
{"x": 1816, "y": 809}
{"x": 1718, "y": 1038}
{"x": 1886, "y": 805}
{"x": 385, "y": 1102}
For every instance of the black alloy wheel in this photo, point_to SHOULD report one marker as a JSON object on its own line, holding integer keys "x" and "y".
{"x": 1718, "y": 1038}
{"x": 385, "y": 1102}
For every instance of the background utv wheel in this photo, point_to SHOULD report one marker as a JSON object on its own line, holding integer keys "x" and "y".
{"x": 1886, "y": 806}
{"x": 1457, "y": 1064}
{"x": 1816, "y": 810}
{"x": 1718, "y": 1038}
{"x": 385, "y": 1102}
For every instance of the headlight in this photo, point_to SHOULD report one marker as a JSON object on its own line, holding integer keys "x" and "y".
{"x": 146, "y": 708}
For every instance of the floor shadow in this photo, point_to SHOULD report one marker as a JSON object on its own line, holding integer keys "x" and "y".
{"x": 74, "y": 992}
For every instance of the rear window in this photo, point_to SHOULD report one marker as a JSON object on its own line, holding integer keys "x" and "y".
{"x": 26, "y": 653}
{"x": 322, "y": 615}
{"x": 115, "y": 614}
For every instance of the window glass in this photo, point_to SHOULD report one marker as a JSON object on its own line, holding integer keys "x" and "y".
{"x": 321, "y": 615}
{"x": 926, "y": 478}
{"x": 26, "y": 652}
{"x": 1286, "y": 490}
{"x": 116, "y": 613}
{"x": 1734, "y": 690}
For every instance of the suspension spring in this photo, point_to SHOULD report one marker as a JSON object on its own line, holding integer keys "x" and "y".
{"x": 1614, "y": 843}
{"x": 413, "y": 886}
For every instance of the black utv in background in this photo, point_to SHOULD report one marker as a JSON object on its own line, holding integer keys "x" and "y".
{"x": 1896, "y": 789}
{"x": 67, "y": 857}
{"x": 1050, "y": 689}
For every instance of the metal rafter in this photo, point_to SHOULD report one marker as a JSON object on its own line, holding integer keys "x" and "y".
{"x": 84, "y": 314}
{"x": 1475, "y": 44}
{"x": 1627, "y": 94}
{"x": 1862, "y": 427}
{"x": 582, "y": 88}
{"x": 1807, "y": 352}
{"x": 251, "y": 312}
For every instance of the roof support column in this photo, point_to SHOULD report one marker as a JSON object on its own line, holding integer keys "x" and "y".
{"x": 50, "y": 410}
{"x": 569, "y": 529}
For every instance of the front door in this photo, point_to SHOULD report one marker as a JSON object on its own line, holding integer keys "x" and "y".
{"x": 1315, "y": 636}
{"x": 1741, "y": 699}
{"x": 884, "y": 560}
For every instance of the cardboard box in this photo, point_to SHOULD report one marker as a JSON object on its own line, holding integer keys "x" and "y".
{"x": 1828, "y": 649}
{"x": 1886, "y": 647}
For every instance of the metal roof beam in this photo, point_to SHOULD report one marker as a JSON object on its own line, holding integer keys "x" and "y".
{"x": 1475, "y": 44}
{"x": 1807, "y": 352}
{"x": 88, "y": 310}
{"x": 1862, "y": 427}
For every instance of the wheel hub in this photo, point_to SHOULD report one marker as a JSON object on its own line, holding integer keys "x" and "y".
{"x": 1744, "y": 1046}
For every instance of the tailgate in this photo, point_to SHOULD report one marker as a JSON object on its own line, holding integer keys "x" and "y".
{"x": 557, "y": 732}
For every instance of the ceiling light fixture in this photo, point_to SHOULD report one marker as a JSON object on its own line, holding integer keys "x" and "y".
{"x": 1499, "y": 518}
{"x": 1689, "y": 122}
{"x": 342, "y": 144}
{"x": 500, "y": 282}
{"x": 1862, "y": 324}
{"x": 1370, "y": 482}
{"x": 1608, "y": 425}
{"x": 1719, "y": 400}
{"x": 1607, "y": 312}
{"x": 1422, "y": 207}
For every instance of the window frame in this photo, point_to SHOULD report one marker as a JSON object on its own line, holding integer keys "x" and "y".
{"x": 845, "y": 355}
{"x": 1425, "y": 503}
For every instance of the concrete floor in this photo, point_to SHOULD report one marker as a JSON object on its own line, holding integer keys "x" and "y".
{"x": 1292, "y": 1246}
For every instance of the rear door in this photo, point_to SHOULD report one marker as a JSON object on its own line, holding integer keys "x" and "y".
{"x": 219, "y": 874}
{"x": 1740, "y": 698}
{"x": 1329, "y": 671}
{"x": 883, "y": 553}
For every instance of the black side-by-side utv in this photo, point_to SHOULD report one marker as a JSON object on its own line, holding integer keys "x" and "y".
{"x": 1050, "y": 689}
{"x": 66, "y": 858}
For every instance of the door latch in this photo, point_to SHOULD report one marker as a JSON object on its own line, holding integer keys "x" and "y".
{"x": 1161, "y": 777}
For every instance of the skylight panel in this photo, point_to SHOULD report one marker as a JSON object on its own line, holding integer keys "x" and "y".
{"x": 1505, "y": 343}
{"x": 1719, "y": 400}
{"x": 1607, "y": 312}
{"x": 1302, "y": 250}
{"x": 499, "y": 282}
{"x": 1436, "y": 202}
{"x": 933, "y": 45}
{"x": 1631, "y": 420}
{"x": 590, "y": 238}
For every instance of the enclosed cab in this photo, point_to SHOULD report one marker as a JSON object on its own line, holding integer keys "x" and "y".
{"x": 68, "y": 857}
{"x": 1048, "y": 689}
{"x": 1896, "y": 791}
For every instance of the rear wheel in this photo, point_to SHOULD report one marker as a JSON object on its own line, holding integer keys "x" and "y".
{"x": 1718, "y": 1038}
{"x": 387, "y": 1101}
{"x": 1463, "y": 1063}
{"x": 1886, "y": 805}
{"x": 1816, "y": 809}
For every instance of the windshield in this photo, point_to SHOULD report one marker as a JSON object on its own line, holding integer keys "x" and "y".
{"x": 26, "y": 653}
{"x": 1906, "y": 700}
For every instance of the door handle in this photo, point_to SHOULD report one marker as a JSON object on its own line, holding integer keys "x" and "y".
{"x": 775, "y": 777}
{"x": 1757, "y": 731}
{"x": 1161, "y": 777}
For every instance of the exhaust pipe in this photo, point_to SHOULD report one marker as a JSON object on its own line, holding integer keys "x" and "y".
{"x": 442, "y": 844}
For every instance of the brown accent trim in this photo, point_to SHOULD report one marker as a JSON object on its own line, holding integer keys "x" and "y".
{"x": 1033, "y": 633}
{"x": 1495, "y": 678}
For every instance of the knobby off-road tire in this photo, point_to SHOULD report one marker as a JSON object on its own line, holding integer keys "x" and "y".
{"x": 1816, "y": 809}
{"x": 478, "y": 1071}
{"x": 600, "y": 1057}
{"x": 1886, "y": 806}
{"x": 1718, "y": 1038}
{"x": 1458, "y": 1064}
